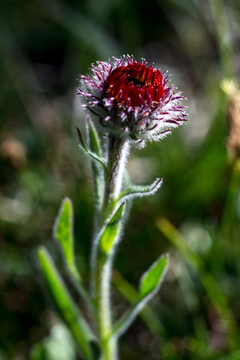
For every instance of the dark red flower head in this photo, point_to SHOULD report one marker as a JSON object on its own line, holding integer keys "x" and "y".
{"x": 132, "y": 99}
{"x": 134, "y": 84}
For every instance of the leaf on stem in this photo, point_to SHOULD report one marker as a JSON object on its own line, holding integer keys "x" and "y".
{"x": 63, "y": 232}
{"x": 138, "y": 191}
{"x": 98, "y": 174}
{"x": 90, "y": 153}
{"x": 94, "y": 140}
{"x": 152, "y": 278}
{"x": 130, "y": 294}
{"x": 149, "y": 285}
{"x": 64, "y": 304}
{"x": 111, "y": 230}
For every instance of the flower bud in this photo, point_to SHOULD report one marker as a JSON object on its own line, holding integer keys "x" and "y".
{"x": 132, "y": 100}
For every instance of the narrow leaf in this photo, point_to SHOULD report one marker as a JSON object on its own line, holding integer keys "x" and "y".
{"x": 90, "y": 153}
{"x": 111, "y": 230}
{"x": 138, "y": 191}
{"x": 152, "y": 278}
{"x": 63, "y": 232}
{"x": 148, "y": 316}
{"x": 64, "y": 303}
{"x": 149, "y": 285}
{"x": 98, "y": 174}
{"x": 95, "y": 145}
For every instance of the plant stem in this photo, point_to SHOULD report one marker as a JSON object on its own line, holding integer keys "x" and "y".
{"x": 103, "y": 309}
{"x": 117, "y": 154}
{"x": 102, "y": 263}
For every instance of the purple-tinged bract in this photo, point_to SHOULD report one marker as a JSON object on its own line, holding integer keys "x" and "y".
{"x": 132, "y": 100}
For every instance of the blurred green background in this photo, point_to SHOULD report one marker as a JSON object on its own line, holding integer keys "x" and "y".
{"x": 44, "y": 46}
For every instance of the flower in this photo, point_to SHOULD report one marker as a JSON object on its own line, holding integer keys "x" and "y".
{"x": 131, "y": 99}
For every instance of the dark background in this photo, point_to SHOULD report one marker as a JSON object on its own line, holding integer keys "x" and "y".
{"x": 44, "y": 46}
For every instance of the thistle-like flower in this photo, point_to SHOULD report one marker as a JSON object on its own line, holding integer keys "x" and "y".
{"x": 132, "y": 100}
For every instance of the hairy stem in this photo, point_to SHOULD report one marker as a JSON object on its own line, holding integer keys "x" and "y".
{"x": 103, "y": 310}
{"x": 102, "y": 264}
{"x": 117, "y": 155}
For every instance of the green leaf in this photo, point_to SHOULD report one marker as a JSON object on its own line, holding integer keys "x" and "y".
{"x": 90, "y": 153}
{"x": 97, "y": 169}
{"x": 111, "y": 230}
{"x": 65, "y": 306}
{"x": 152, "y": 278}
{"x": 63, "y": 231}
{"x": 150, "y": 283}
{"x": 94, "y": 140}
{"x": 138, "y": 191}
{"x": 148, "y": 316}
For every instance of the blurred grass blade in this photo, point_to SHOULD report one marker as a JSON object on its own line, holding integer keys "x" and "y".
{"x": 63, "y": 232}
{"x": 230, "y": 217}
{"x": 181, "y": 244}
{"x": 90, "y": 153}
{"x": 209, "y": 283}
{"x": 83, "y": 28}
{"x": 222, "y": 21}
{"x": 111, "y": 230}
{"x": 152, "y": 278}
{"x": 138, "y": 191}
{"x": 64, "y": 303}
{"x": 149, "y": 285}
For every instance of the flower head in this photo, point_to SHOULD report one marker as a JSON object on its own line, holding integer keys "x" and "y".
{"x": 132, "y": 100}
